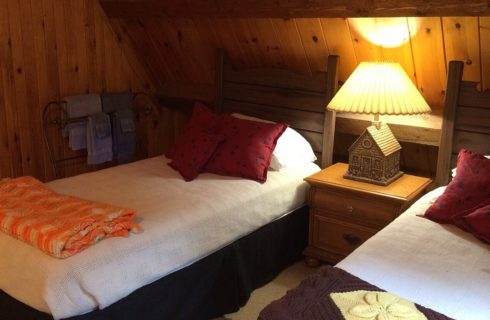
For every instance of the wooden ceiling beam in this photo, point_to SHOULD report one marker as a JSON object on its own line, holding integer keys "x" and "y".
{"x": 292, "y": 8}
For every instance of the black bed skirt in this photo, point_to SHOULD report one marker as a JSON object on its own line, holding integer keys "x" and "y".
{"x": 215, "y": 285}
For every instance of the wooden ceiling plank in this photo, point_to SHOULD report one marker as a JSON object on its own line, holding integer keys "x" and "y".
{"x": 430, "y": 69}
{"x": 314, "y": 43}
{"x": 461, "y": 40}
{"x": 290, "y": 43}
{"x": 337, "y": 35}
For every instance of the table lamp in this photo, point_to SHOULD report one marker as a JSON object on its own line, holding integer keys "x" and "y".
{"x": 378, "y": 88}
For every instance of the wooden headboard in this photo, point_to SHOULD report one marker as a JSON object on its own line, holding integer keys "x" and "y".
{"x": 283, "y": 96}
{"x": 466, "y": 122}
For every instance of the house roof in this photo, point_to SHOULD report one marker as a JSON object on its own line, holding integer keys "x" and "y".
{"x": 384, "y": 138}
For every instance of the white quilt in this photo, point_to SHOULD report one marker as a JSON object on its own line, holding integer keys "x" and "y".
{"x": 182, "y": 222}
{"x": 437, "y": 266}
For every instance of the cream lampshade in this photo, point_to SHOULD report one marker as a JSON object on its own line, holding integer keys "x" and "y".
{"x": 377, "y": 88}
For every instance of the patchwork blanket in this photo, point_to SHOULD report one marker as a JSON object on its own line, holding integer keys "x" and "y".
{"x": 60, "y": 225}
{"x": 333, "y": 293}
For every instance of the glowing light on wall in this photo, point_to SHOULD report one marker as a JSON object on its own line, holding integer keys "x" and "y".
{"x": 384, "y": 32}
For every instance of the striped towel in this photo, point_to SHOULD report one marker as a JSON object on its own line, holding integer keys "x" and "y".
{"x": 60, "y": 225}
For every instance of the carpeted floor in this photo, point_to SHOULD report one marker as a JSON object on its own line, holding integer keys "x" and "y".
{"x": 275, "y": 289}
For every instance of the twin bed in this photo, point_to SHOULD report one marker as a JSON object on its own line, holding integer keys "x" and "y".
{"x": 208, "y": 243}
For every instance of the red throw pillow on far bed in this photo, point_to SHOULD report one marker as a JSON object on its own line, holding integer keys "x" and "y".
{"x": 478, "y": 223}
{"x": 468, "y": 189}
{"x": 193, "y": 152}
{"x": 247, "y": 149}
{"x": 202, "y": 120}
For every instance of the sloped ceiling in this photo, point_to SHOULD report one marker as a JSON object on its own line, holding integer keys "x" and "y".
{"x": 176, "y": 41}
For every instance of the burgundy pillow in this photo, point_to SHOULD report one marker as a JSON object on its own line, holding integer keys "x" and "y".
{"x": 478, "y": 223}
{"x": 468, "y": 189}
{"x": 202, "y": 119}
{"x": 247, "y": 149}
{"x": 460, "y": 218}
{"x": 193, "y": 152}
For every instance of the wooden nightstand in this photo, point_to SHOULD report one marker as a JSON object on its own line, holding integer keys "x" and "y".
{"x": 344, "y": 213}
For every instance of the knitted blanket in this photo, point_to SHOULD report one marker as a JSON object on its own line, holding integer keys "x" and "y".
{"x": 60, "y": 225}
{"x": 333, "y": 293}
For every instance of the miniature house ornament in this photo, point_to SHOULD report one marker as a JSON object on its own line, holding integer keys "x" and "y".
{"x": 377, "y": 88}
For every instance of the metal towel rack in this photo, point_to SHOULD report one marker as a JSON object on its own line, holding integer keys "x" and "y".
{"x": 55, "y": 116}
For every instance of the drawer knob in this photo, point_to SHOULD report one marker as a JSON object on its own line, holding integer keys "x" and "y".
{"x": 350, "y": 208}
{"x": 351, "y": 239}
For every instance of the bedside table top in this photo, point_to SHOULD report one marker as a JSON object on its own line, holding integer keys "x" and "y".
{"x": 404, "y": 188}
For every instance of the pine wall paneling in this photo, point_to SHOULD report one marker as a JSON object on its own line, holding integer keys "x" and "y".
{"x": 53, "y": 48}
{"x": 50, "y": 49}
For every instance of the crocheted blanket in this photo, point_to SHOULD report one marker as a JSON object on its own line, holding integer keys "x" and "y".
{"x": 333, "y": 293}
{"x": 60, "y": 225}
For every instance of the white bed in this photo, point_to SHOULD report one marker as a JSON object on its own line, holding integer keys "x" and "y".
{"x": 437, "y": 266}
{"x": 182, "y": 223}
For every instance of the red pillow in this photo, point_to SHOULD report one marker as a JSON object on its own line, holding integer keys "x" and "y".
{"x": 192, "y": 153}
{"x": 468, "y": 189}
{"x": 202, "y": 119}
{"x": 478, "y": 223}
{"x": 247, "y": 149}
{"x": 460, "y": 218}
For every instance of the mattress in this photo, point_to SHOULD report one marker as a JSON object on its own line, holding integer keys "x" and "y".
{"x": 437, "y": 266}
{"x": 182, "y": 222}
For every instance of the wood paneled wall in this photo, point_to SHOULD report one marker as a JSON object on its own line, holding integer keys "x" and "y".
{"x": 53, "y": 48}
{"x": 50, "y": 49}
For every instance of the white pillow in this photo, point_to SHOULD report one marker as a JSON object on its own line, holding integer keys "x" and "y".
{"x": 453, "y": 170}
{"x": 291, "y": 148}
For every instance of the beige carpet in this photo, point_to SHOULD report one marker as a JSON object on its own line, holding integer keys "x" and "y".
{"x": 275, "y": 289}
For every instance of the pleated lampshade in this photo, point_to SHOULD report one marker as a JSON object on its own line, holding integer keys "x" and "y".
{"x": 379, "y": 88}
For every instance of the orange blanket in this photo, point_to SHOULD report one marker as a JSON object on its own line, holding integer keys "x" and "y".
{"x": 59, "y": 225}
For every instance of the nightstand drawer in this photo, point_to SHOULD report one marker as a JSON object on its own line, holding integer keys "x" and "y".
{"x": 353, "y": 208}
{"x": 337, "y": 236}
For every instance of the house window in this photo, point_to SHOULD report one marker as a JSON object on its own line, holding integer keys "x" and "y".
{"x": 355, "y": 160}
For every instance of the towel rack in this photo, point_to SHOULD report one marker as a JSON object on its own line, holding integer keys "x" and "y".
{"x": 55, "y": 116}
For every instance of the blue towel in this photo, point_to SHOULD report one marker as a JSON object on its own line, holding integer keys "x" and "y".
{"x": 116, "y": 101}
{"x": 123, "y": 135}
{"x": 77, "y": 135}
{"x": 77, "y": 107}
{"x": 99, "y": 138}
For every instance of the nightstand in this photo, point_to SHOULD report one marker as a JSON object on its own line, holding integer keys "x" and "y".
{"x": 344, "y": 213}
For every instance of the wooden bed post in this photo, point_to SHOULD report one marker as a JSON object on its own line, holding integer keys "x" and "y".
{"x": 329, "y": 121}
{"x": 219, "y": 80}
{"x": 454, "y": 77}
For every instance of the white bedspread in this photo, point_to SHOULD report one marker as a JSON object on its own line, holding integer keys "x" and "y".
{"x": 437, "y": 266}
{"x": 182, "y": 222}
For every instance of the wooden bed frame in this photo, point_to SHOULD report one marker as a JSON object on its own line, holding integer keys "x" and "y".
{"x": 222, "y": 282}
{"x": 466, "y": 122}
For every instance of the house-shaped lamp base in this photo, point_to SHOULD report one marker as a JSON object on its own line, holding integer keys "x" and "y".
{"x": 375, "y": 157}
